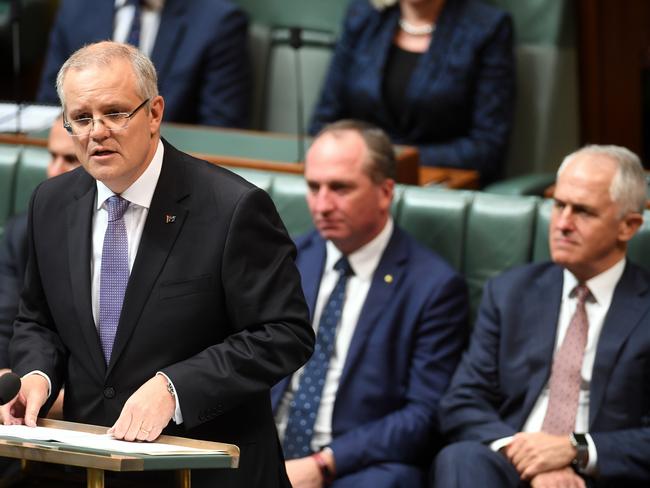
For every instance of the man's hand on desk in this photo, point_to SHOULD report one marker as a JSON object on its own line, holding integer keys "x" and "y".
{"x": 533, "y": 453}
{"x": 146, "y": 413}
{"x": 24, "y": 408}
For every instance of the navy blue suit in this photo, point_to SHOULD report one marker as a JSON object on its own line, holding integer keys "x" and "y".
{"x": 509, "y": 362}
{"x": 200, "y": 54}
{"x": 13, "y": 260}
{"x": 459, "y": 100}
{"x": 404, "y": 350}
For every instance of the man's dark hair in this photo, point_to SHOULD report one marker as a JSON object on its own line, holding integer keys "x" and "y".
{"x": 381, "y": 164}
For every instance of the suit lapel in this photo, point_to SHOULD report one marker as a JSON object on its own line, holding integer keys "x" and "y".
{"x": 540, "y": 320}
{"x": 157, "y": 240}
{"x": 629, "y": 304}
{"x": 173, "y": 25}
{"x": 381, "y": 292}
{"x": 80, "y": 214}
{"x": 312, "y": 271}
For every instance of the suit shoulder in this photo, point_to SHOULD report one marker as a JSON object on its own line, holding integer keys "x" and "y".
{"x": 523, "y": 274}
{"x": 425, "y": 259}
{"x": 305, "y": 241}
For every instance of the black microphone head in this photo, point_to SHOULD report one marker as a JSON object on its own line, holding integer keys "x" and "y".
{"x": 9, "y": 387}
{"x": 295, "y": 37}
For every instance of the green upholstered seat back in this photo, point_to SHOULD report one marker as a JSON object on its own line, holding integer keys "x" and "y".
{"x": 9, "y": 156}
{"x": 274, "y": 62}
{"x": 499, "y": 236}
{"x": 437, "y": 219}
{"x": 32, "y": 169}
{"x": 288, "y": 194}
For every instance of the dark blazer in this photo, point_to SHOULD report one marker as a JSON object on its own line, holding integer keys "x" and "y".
{"x": 509, "y": 362}
{"x": 13, "y": 259}
{"x": 459, "y": 100}
{"x": 213, "y": 301}
{"x": 200, "y": 54}
{"x": 403, "y": 352}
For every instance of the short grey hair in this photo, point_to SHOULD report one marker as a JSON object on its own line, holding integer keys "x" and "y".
{"x": 103, "y": 54}
{"x": 629, "y": 186}
{"x": 381, "y": 164}
{"x": 382, "y": 4}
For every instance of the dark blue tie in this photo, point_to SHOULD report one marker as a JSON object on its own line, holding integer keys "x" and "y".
{"x": 134, "y": 34}
{"x": 114, "y": 274}
{"x": 306, "y": 399}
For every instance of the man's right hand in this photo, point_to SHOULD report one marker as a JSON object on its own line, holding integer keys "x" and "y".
{"x": 559, "y": 478}
{"x": 24, "y": 408}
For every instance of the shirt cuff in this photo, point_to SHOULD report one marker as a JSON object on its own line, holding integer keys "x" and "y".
{"x": 499, "y": 444}
{"x": 178, "y": 416}
{"x": 590, "y": 469}
{"x": 49, "y": 383}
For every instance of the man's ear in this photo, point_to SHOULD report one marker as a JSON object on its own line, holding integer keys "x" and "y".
{"x": 629, "y": 225}
{"x": 156, "y": 109}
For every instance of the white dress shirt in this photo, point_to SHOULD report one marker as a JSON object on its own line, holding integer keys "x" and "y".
{"x": 364, "y": 262}
{"x": 149, "y": 23}
{"x": 602, "y": 289}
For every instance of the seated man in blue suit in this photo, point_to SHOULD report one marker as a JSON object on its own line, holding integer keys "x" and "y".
{"x": 390, "y": 316}
{"x": 199, "y": 49}
{"x": 553, "y": 390}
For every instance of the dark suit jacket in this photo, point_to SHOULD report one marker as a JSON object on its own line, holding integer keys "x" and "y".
{"x": 459, "y": 101}
{"x": 403, "y": 352}
{"x": 200, "y": 54}
{"x": 509, "y": 362}
{"x": 13, "y": 259}
{"x": 213, "y": 301}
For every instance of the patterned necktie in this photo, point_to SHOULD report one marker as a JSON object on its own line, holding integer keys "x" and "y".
{"x": 134, "y": 34}
{"x": 306, "y": 399}
{"x": 564, "y": 385}
{"x": 114, "y": 274}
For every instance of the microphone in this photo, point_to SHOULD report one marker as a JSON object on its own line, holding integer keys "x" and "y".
{"x": 295, "y": 41}
{"x": 9, "y": 387}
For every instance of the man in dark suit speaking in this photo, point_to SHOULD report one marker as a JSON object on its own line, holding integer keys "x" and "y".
{"x": 175, "y": 303}
{"x": 553, "y": 390}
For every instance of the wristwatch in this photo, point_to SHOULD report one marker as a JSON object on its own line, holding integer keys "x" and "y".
{"x": 579, "y": 441}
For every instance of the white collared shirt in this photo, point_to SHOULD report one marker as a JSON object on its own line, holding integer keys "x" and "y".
{"x": 602, "y": 289}
{"x": 364, "y": 262}
{"x": 149, "y": 23}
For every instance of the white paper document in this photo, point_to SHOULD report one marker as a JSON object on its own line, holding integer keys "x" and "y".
{"x": 97, "y": 441}
{"x": 30, "y": 118}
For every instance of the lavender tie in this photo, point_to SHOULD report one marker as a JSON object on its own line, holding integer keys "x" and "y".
{"x": 564, "y": 385}
{"x": 114, "y": 274}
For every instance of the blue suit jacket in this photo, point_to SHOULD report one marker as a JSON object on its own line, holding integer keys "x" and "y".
{"x": 509, "y": 362}
{"x": 459, "y": 100}
{"x": 403, "y": 352}
{"x": 200, "y": 54}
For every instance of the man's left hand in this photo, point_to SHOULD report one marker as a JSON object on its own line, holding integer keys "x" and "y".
{"x": 304, "y": 473}
{"x": 533, "y": 453}
{"x": 559, "y": 478}
{"x": 146, "y": 413}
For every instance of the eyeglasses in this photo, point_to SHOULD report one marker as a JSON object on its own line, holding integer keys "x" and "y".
{"x": 113, "y": 122}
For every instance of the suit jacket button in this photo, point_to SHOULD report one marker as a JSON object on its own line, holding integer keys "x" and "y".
{"x": 109, "y": 392}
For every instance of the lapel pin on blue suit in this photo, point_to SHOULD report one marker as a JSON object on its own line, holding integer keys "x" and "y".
{"x": 388, "y": 278}
{"x": 170, "y": 219}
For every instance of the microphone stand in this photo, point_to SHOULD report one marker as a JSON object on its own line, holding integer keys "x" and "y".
{"x": 15, "y": 31}
{"x": 295, "y": 41}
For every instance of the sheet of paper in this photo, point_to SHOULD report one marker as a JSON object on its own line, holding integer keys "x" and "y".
{"x": 31, "y": 118}
{"x": 96, "y": 441}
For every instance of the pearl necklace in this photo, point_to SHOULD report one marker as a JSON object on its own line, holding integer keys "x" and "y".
{"x": 416, "y": 30}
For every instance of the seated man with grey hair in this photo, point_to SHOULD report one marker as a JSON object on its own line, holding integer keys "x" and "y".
{"x": 553, "y": 390}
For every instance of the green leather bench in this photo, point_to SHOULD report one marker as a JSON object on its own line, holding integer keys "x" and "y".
{"x": 478, "y": 233}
